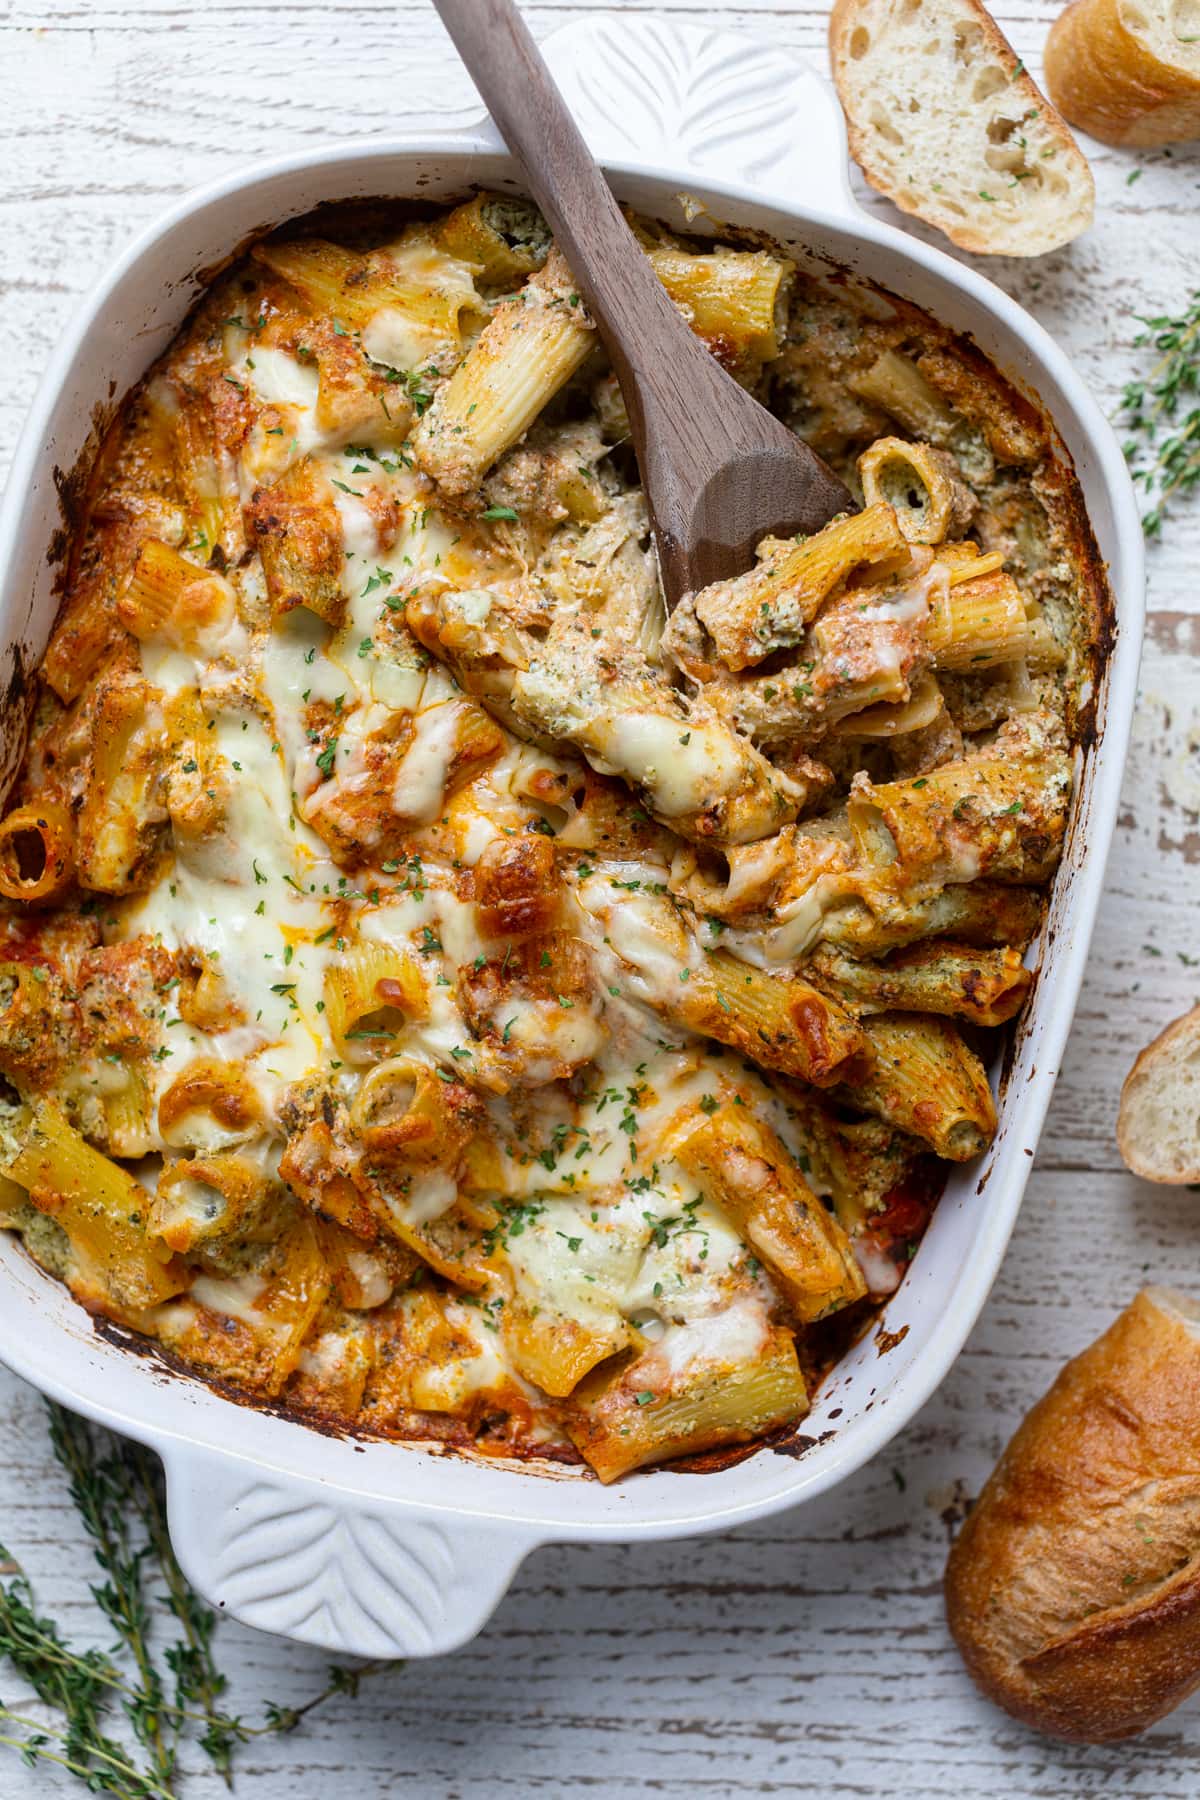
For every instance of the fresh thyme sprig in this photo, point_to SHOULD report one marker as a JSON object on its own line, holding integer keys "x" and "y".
{"x": 102, "y": 1487}
{"x": 117, "y": 1489}
{"x": 1164, "y": 455}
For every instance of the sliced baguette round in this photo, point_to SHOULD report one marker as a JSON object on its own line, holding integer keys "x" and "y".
{"x": 1128, "y": 71}
{"x": 1073, "y": 1589}
{"x": 1158, "y": 1120}
{"x": 943, "y": 119}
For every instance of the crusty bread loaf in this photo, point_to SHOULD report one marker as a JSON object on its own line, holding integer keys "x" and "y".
{"x": 943, "y": 119}
{"x": 1128, "y": 71}
{"x": 1073, "y": 1589}
{"x": 1158, "y": 1121}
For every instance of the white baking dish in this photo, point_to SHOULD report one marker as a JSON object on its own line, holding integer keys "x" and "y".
{"x": 385, "y": 1550}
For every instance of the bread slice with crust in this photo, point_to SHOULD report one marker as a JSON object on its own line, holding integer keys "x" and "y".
{"x": 944, "y": 120}
{"x": 1158, "y": 1121}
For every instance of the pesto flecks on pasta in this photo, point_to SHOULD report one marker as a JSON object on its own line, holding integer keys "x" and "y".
{"x": 437, "y": 991}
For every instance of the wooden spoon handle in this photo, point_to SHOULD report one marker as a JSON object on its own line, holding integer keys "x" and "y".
{"x": 622, "y": 292}
{"x": 718, "y": 470}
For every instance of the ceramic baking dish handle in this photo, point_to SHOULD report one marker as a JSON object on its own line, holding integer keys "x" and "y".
{"x": 733, "y": 108}
{"x": 361, "y": 1578}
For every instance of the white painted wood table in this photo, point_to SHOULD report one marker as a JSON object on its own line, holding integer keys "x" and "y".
{"x": 807, "y": 1653}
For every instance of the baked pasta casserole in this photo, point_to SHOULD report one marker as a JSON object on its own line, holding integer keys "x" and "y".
{"x": 443, "y": 995}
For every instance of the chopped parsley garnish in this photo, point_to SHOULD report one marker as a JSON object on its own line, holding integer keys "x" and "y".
{"x": 515, "y": 1216}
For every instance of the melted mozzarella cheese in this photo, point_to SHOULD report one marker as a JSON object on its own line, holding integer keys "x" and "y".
{"x": 420, "y": 785}
{"x": 427, "y": 1198}
{"x": 735, "y": 1333}
{"x": 651, "y": 751}
{"x": 447, "y": 1386}
{"x": 586, "y": 1257}
{"x": 235, "y": 1297}
{"x": 649, "y": 946}
{"x": 279, "y": 379}
{"x": 406, "y": 337}
{"x": 250, "y": 903}
{"x": 799, "y": 926}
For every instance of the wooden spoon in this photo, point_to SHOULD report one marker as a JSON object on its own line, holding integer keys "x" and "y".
{"x": 720, "y": 471}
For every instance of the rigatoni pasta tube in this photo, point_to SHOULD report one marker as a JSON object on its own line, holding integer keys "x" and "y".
{"x": 294, "y": 1288}
{"x": 855, "y": 1163}
{"x": 297, "y": 530}
{"x": 518, "y": 888}
{"x": 116, "y": 1266}
{"x": 554, "y": 1349}
{"x": 122, "y": 822}
{"x": 769, "y": 608}
{"x": 963, "y": 560}
{"x": 1003, "y": 817}
{"x": 742, "y": 1165}
{"x": 200, "y": 475}
{"x": 168, "y": 596}
{"x": 209, "y": 1106}
{"x": 928, "y": 1082}
{"x": 86, "y": 630}
{"x": 504, "y": 237}
{"x": 206, "y": 1199}
{"x": 982, "y": 913}
{"x": 732, "y": 297}
{"x": 128, "y": 1106}
{"x": 977, "y": 623}
{"x": 561, "y": 1317}
{"x": 695, "y": 772}
{"x": 779, "y": 1021}
{"x": 433, "y": 1359}
{"x": 371, "y": 993}
{"x": 450, "y": 1242}
{"x": 623, "y": 1416}
{"x": 895, "y": 718}
{"x": 36, "y": 851}
{"x": 985, "y": 987}
{"x": 40, "y": 1031}
{"x": 406, "y": 1113}
{"x": 329, "y": 278}
{"x": 414, "y": 278}
{"x": 921, "y": 484}
{"x": 897, "y": 385}
{"x": 529, "y": 349}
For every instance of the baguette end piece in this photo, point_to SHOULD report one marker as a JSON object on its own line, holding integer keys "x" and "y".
{"x": 1127, "y": 73}
{"x": 1073, "y": 1588}
{"x": 943, "y": 119}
